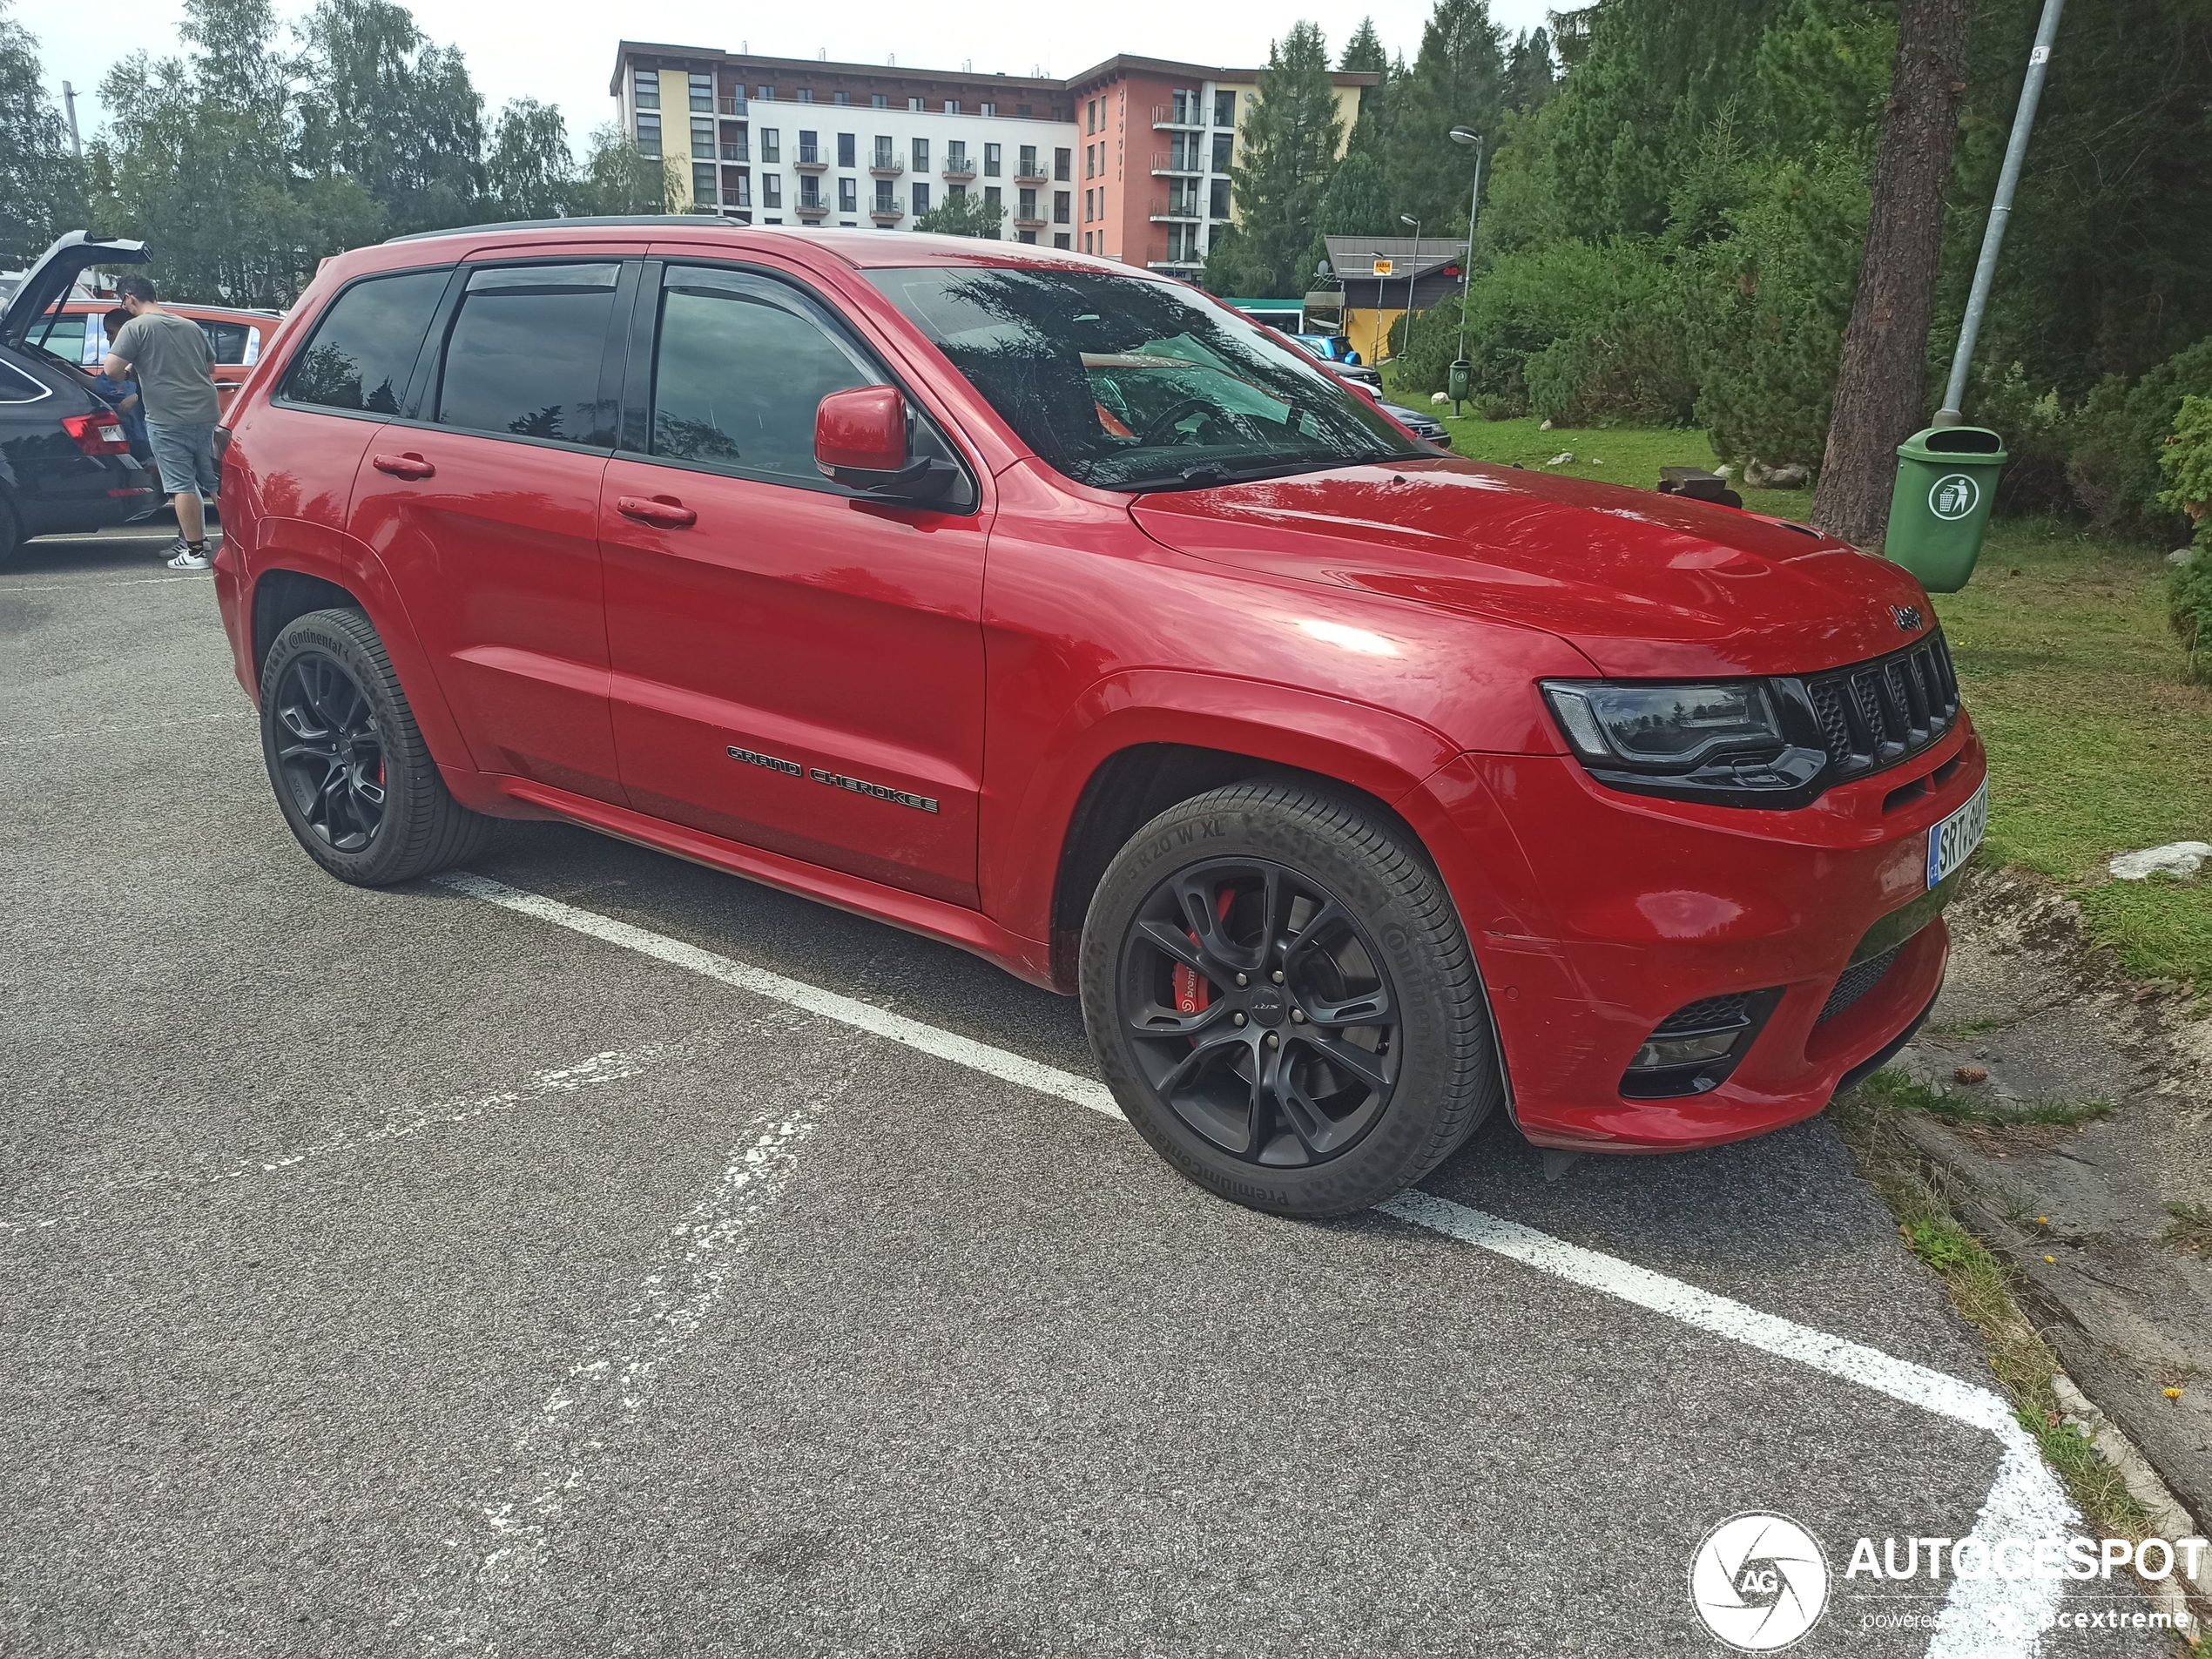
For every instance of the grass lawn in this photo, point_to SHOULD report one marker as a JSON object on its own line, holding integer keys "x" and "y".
{"x": 2097, "y": 745}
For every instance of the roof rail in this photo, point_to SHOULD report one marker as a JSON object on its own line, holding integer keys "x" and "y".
{"x": 580, "y": 222}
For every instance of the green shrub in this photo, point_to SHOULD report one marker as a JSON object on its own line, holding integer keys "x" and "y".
{"x": 2113, "y": 466}
{"x": 2185, "y": 461}
{"x": 2038, "y": 431}
{"x": 1638, "y": 367}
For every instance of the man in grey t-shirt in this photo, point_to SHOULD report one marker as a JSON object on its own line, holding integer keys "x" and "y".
{"x": 170, "y": 358}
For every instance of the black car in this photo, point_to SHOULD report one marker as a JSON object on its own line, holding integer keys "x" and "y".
{"x": 65, "y": 464}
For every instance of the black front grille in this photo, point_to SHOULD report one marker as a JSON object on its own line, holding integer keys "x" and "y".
{"x": 1879, "y": 713}
{"x": 1714, "y": 1014}
{"x": 1858, "y": 979}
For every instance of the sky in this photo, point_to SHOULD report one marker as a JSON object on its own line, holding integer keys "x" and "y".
{"x": 562, "y": 51}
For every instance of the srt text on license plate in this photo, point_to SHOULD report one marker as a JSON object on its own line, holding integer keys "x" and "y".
{"x": 1952, "y": 842}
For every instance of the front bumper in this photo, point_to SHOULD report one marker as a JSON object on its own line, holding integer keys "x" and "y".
{"x": 1597, "y": 914}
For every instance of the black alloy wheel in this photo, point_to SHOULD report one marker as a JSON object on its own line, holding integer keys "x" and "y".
{"x": 1261, "y": 1011}
{"x": 330, "y": 754}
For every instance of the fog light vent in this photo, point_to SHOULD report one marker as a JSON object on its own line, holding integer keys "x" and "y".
{"x": 1694, "y": 1049}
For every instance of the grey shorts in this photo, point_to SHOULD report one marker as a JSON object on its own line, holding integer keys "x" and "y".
{"x": 185, "y": 456}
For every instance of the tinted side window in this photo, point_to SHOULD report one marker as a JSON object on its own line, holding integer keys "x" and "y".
{"x": 363, "y": 349}
{"x": 228, "y": 338}
{"x": 740, "y": 364}
{"x": 525, "y": 351}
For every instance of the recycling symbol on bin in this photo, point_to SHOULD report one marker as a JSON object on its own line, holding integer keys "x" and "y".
{"x": 1953, "y": 495}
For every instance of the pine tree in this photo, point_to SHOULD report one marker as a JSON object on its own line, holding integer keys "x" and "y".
{"x": 1530, "y": 79}
{"x": 1363, "y": 52}
{"x": 1459, "y": 79}
{"x": 1290, "y": 138}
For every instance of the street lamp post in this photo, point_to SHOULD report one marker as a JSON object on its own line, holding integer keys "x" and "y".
{"x": 1461, "y": 370}
{"x": 1412, "y": 269}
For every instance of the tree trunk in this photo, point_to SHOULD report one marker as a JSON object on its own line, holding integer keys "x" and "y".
{"x": 1881, "y": 388}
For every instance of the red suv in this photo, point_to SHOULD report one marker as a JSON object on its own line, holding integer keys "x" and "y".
{"x": 1053, "y": 611}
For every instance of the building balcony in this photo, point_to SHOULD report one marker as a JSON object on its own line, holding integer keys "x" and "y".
{"x": 890, "y": 215}
{"x": 731, "y": 109}
{"x": 1031, "y": 176}
{"x": 1030, "y": 222}
{"x": 1164, "y": 115}
{"x": 960, "y": 172}
{"x": 810, "y": 161}
{"x": 1167, "y": 166}
{"x": 813, "y": 210}
{"x": 885, "y": 168}
{"x": 1175, "y": 267}
{"x": 1174, "y": 215}
{"x": 737, "y": 152}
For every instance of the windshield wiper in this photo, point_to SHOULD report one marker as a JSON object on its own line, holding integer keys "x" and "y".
{"x": 1206, "y": 475}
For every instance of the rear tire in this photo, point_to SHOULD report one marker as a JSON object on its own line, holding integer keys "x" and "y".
{"x": 352, "y": 774}
{"x": 1284, "y": 1003}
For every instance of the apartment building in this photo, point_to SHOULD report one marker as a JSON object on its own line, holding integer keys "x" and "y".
{"x": 1130, "y": 160}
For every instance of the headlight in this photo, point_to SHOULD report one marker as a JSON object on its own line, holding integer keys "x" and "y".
{"x": 1672, "y": 728}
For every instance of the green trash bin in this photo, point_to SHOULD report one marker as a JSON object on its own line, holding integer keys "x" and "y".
{"x": 1459, "y": 380}
{"x": 1947, "y": 482}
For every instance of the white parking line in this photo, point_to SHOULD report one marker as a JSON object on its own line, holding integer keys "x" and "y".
{"x": 132, "y": 582}
{"x": 142, "y": 726}
{"x": 611, "y": 1066}
{"x": 1987, "y": 1618}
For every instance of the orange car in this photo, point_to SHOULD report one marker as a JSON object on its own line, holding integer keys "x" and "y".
{"x": 78, "y": 334}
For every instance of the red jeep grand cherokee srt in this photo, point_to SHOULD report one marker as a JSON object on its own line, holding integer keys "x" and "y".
{"x": 1053, "y": 611}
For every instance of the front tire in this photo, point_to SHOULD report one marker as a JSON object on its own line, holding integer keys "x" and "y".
{"x": 354, "y": 779}
{"x": 1284, "y": 1003}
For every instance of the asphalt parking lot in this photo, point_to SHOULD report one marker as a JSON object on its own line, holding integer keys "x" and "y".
{"x": 609, "y": 1256}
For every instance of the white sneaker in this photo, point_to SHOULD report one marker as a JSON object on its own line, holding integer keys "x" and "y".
{"x": 186, "y": 559}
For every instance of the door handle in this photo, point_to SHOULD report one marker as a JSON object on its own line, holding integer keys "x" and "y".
{"x": 406, "y": 466}
{"x": 663, "y": 510}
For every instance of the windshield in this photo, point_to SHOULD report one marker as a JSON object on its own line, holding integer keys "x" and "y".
{"x": 1125, "y": 383}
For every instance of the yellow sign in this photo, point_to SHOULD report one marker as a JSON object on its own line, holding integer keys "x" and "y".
{"x": 1383, "y": 268}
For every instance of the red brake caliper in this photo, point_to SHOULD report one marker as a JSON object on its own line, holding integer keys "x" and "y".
{"x": 1192, "y": 991}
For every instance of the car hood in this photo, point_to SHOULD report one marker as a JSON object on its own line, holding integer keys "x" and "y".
{"x": 56, "y": 270}
{"x": 1641, "y": 584}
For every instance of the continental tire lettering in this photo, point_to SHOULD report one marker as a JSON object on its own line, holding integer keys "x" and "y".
{"x": 878, "y": 792}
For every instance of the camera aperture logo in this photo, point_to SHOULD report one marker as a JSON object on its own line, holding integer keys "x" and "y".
{"x": 1759, "y": 1581}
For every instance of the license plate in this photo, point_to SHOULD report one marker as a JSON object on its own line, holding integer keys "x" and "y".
{"x": 1952, "y": 842}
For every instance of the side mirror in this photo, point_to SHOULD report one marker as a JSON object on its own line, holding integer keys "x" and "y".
{"x": 860, "y": 441}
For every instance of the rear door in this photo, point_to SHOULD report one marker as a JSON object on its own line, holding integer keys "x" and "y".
{"x": 795, "y": 666}
{"x": 482, "y": 500}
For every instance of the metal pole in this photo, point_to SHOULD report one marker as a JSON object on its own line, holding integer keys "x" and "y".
{"x": 1993, "y": 237}
{"x": 1413, "y": 267}
{"x": 1467, "y": 276}
{"x": 69, "y": 102}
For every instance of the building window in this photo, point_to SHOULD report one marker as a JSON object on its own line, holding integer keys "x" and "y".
{"x": 878, "y": 101}
{"x": 991, "y": 199}
{"x": 645, "y": 89}
{"x": 956, "y": 156}
{"x": 772, "y": 190}
{"x": 1059, "y": 198}
{"x": 914, "y": 105}
{"x": 990, "y": 109}
{"x": 991, "y": 160}
{"x": 807, "y": 150}
{"x": 810, "y": 190}
{"x": 770, "y": 147}
{"x": 884, "y": 201}
{"x": 882, "y": 152}
{"x": 1063, "y": 164}
{"x": 805, "y": 95}
{"x": 1030, "y": 237}
{"x": 848, "y": 196}
{"x": 1060, "y": 240}
{"x": 1225, "y": 109}
{"x": 743, "y": 198}
{"x": 765, "y": 94}
{"x": 1028, "y": 169}
{"x": 952, "y": 106}
{"x": 648, "y": 133}
{"x": 840, "y": 97}
{"x": 845, "y": 150}
{"x": 1022, "y": 113}
{"x": 1087, "y": 236}
{"x": 702, "y": 183}
{"x": 702, "y": 87}
{"x": 1028, "y": 207}
{"x": 956, "y": 192}
{"x": 1224, "y": 143}
{"x": 920, "y": 197}
{"x": 921, "y": 155}
{"x": 1219, "y": 206}
{"x": 1091, "y": 121}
